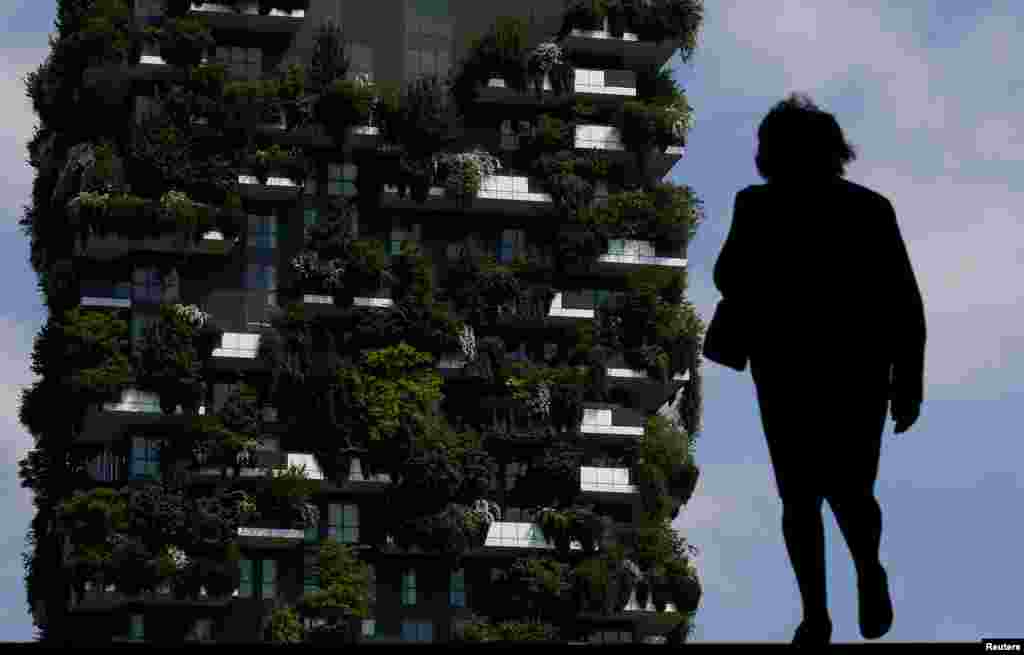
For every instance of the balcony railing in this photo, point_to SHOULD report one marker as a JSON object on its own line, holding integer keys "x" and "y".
{"x": 599, "y": 421}
{"x": 518, "y": 188}
{"x": 141, "y": 402}
{"x": 605, "y": 479}
{"x": 107, "y": 467}
{"x": 516, "y": 534}
{"x": 238, "y": 345}
{"x": 605, "y": 82}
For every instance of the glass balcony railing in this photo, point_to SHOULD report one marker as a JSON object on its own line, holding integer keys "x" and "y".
{"x": 606, "y": 479}
{"x": 518, "y": 534}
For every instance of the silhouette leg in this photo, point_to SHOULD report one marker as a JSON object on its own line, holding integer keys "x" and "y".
{"x": 804, "y": 533}
{"x": 860, "y": 520}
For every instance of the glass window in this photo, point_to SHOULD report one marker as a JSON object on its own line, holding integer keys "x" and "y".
{"x": 421, "y": 631}
{"x": 511, "y": 245}
{"x": 245, "y": 585}
{"x": 409, "y": 588}
{"x": 369, "y": 628}
{"x": 147, "y": 285}
{"x": 310, "y": 217}
{"x": 341, "y": 179}
{"x": 601, "y": 297}
{"x": 136, "y": 628}
{"x": 457, "y": 590}
{"x": 261, "y": 277}
{"x": 145, "y": 459}
{"x": 263, "y": 232}
{"x": 616, "y": 247}
{"x": 269, "y": 586}
{"x": 343, "y": 523}
{"x": 310, "y": 573}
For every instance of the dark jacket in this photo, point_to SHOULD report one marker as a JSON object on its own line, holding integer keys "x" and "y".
{"x": 823, "y": 271}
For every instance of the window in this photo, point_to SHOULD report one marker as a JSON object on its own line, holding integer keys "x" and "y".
{"x": 136, "y": 628}
{"x": 263, "y": 232}
{"x": 145, "y": 459}
{"x": 616, "y": 246}
{"x": 457, "y": 588}
{"x": 421, "y": 631}
{"x": 343, "y": 523}
{"x": 512, "y": 473}
{"x": 601, "y": 297}
{"x": 147, "y": 285}
{"x": 511, "y": 245}
{"x": 341, "y": 179}
{"x": 138, "y": 325}
{"x": 369, "y": 628}
{"x": 258, "y": 578}
{"x": 262, "y": 277}
{"x": 311, "y": 573}
{"x": 400, "y": 233}
{"x": 310, "y": 217}
{"x": 409, "y": 588}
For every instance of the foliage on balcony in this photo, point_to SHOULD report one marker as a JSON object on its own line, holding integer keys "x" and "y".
{"x": 665, "y": 467}
{"x": 603, "y": 583}
{"x": 107, "y": 35}
{"x": 183, "y": 41}
{"x": 344, "y": 104}
{"x": 651, "y": 20}
{"x": 138, "y": 538}
{"x": 571, "y": 178}
{"x": 84, "y": 358}
{"x": 163, "y": 156}
{"x": 464, "y": 172}
{"x": 169, "y": 358}
{"x": 291, "y": 162}
{"x": 479, "y": 629}
{"x": 287, "y": 500}
{"x": 285, "y": 626}
{"x": 344, "y": 584}
{"x": 643, "y": 126}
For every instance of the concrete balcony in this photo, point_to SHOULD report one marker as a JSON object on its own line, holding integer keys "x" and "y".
{"x": 508, "y": 194}
{"x": 276, "y": 189}
{"x": 244, "y": 17}
{"x": 112, "y": 296}
{"x": 135, "y": 408}
{"x": 605, "y": 481}
{"x": 599, "y": 85}
{"x": 113, "y": 246}
{"x": 517, "y": 534}
{"x": 606, "y": 139}
{"x": 611, "y": 420}
{"x": 626, "y": 255}
{"x": 95, "y": 599}
{"x": 596, "y": 85}
{"x": 238, "y": 345}
{"x": 634, "y": 52}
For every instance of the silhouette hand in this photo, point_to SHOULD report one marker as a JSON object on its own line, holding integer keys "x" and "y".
{"x": 905, "y": 413}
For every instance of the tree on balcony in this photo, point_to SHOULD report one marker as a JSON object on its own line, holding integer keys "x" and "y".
{"x": 344, "y": 587}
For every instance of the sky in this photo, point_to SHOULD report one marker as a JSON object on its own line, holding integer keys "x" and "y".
{"x": 927, "y": 93}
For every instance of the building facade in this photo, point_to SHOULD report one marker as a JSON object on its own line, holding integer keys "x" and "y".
{"x": 553, "y": 316}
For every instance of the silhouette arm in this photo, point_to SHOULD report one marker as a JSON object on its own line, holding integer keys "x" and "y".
{"x": 731, "y": 258}
{"x": 907, "y": 313}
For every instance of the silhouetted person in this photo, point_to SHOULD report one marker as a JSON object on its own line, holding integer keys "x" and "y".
{"x": 836, "y": 332}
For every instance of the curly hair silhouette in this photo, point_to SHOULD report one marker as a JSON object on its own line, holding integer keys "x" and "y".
{"x": 797, "y": 140}
{"x": 826, "y": 374}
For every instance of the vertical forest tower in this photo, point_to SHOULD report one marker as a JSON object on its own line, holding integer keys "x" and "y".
{"x": 367, "y": 322}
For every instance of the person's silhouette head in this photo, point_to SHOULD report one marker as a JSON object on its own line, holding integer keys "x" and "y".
{"x": 797, "y": 141}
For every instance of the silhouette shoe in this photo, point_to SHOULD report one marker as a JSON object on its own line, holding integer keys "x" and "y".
{"x": 875, "y": 604}
{"x": 813, "y": 633}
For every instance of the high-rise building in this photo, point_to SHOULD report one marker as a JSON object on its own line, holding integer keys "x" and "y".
{"x": 399, "y": 276}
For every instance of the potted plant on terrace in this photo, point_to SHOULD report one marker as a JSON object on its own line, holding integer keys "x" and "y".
{"x": 344, "y": 586}
{"x": 291, "y": 162}
{"x": 344, "y": 104}
{"x": 463, "y": 173}
{"x": 184, "y": 41}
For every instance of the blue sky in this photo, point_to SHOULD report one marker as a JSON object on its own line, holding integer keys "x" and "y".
{"x": 932, "y": 100}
